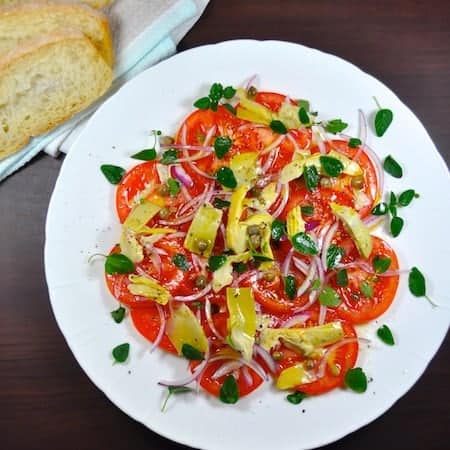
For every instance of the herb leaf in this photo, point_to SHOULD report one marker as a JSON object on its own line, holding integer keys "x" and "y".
{"x": 342, "y": 278}
{"x": 225, "y": 177}
{"x": 304, "y": 244}
{"x": 366, "y": 289}
{"x": 396, "y": 226}
{"x": 229, "y": 392}
{"x": 406, "y": 197}
{"x": 392, "y": 167}
{"x": 380, "y": 210}
{"x": 169, "y": 156}
{"x": 221, "y": 204}
{"x": 191, "y": 353}
{"x": 240, "y": 267}
{"x": 113, "y": 174}
{"x": 278, "y": 127}
{"x": 290, "y": 287}
{"x": 334, "y": 256}
{"x": 303, "y": 116}
{"x": 216, "y": 92}
{"x": 296, "y": 397}
{"x": 118, "y": 263}
{"x": 383, "y": 119}
{"x": 174, "y": 186}
{"x": 202, "y": 103}
{"x": 311, "y": 177}
{"x": 222, "y": 145}
{"x": 303, "y": 104}
{"x": 148, "y": 154}
{"x": 307, "y": 210}
{"x": 354, "y": 142}
{"x": 381, "y": 264}
{"x": 335, "y": 126}
{"x": 416, "y": 283}
{"x": 229, "y": 92}
{"x": 260, "y": 257}
{"x": 356, "y": 380}
{"x": 385, "y": 334}
{"x": 278, "y": 229}
{"x": 331, "y": 166}
{"x": 120, "y": 353}
{"x": 171, "y": 390}
{"x": 230, "y": 108}
{"x": 329, "y": 297}
{"x": 181, "y": 262}
{"x": 118, "y": 314}
{"x": 215, "y": 262}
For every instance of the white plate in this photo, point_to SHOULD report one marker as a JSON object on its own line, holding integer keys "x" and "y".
{"x": 81, "y": 221}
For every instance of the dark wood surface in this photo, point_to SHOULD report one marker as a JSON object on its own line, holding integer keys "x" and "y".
{"x": 46, "y": 401}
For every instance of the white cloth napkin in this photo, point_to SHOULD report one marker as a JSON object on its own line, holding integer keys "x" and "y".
{"x": 144, "y": 32}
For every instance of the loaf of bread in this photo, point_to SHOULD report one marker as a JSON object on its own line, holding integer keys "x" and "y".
{"x": 94, "y": 3}
{"x": 20, "y": 23}
{"x": 46, "y": 81}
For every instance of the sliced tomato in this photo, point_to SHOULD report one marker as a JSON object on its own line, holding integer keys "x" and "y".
{"x": 271, "y": 100}
{"x": 355, "y": 306}
{"x": 341, "y": 360}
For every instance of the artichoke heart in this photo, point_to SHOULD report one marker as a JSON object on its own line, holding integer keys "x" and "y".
{"x": 148, "y": 288}
{"x": 223, "y": 276}
{"x": 252, "y": 111}
{"x": 130, "y": 246}
{"x": 140, "y": 216}
{"x": 293, "y": 170}
{"x": 265, "y": 200}
{"x": 235, "y": 231}
{"x": 294, "y": 221}
{"x": 243, "y": 166}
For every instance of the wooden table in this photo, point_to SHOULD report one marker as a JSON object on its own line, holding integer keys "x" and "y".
{"x": 46, "y": 401}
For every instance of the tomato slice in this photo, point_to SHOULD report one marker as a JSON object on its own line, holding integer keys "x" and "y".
{"x": 355, "y": 306}
{"x": 341, "y": 360}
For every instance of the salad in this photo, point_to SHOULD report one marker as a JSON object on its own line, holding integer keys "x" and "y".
{"x": 246, "y": 246}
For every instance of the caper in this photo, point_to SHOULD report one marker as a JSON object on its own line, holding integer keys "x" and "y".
{"x": 358, "y": 182}
{"x": 163, "y": 190}
{"x": 200, "y": 281}
{"x": 277, "y": 356}
{"x": 251, "y": 91}
{"x": 255, "y": 240}
{"x": 255, "y": 191}
{"x": 164, "y": 213}
{"x": 166, "y": 140}
{"x": 202, "y": 245}
{"x": 253, "y": 229}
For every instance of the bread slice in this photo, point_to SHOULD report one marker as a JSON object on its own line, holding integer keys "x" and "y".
{"x": 45, "y": 82}
{"x": 23, "y": 22}
{"x": 93, "y": 3}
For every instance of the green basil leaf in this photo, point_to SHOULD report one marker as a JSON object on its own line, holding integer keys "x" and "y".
{"x": 335, "y": 126}
{"x": 148, "y": 154}
{"x": 215, "y": 262}
{"x": 311, "y": 177}
{"x": 278, "y": 127}
{"x": 216, "y": 92}
{"x": 214, "y": 105}
{"x": 303, "y": 104}
{"x": 356, "y": 380}
{"x": 354, "y": 142}
{"x": 366, "y": 289}
{"x": 392, "y": 167}
{"x": 342, "y": 278}
{"x": 304, "y": 244}
{"x": 381, "y": 264}
{"x": 392, "y": 200}
{"x": 222, "y": 145}
{"x": 230, "y": 108}
{"x": 303, "y": 116}
{"x": 221, "y": 204}
{"x": 260, "y": 257}
{"x": 113, "y": 174}
{"x": 240, "y": 267}
{"x": 296, "y": 397}
{"x": 191, "y": 353}
{"x": 331, "y": 166}
{"x": 118, "y": 314}
{"x": 290, "y": 287}
{"x": 174, "y": 390}
{"x": 334, "y": 256}
{"x": 169, "y": 156}
{"x": 225, "y": 177}
{"x": 174, "y": 186}
{"x": 307, "y": 210}
{"x": 202, "y": 103}
{"x": 181, "y": 262}
{"x": 120, "y": 353}
{"x": 416, "y": 283}
{"x": 229, "y": 92}
{"x": 229, "y": 392}
{"x": 329, "y": 297}
{"x": 396, "y": 226}
{"x": 406, "y": 197}
{"x": 315, "y": 285}
{"x": 118, "y": 263}
{"x": 380, "y": 210}
{"x": 383, "y": 119}
{"x": 278, "y": 229}
{"x": 385, "y": 334}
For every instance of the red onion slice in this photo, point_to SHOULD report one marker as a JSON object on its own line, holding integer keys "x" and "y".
{"x": 181, "y": 175}
{"x": 191, "y": 298}
{"x": 308, "y": 279}
{"x": 211, "y": 322}
{"x": 298, "y": 319}
{"x": 284, "y": 199}
{"x": 287, "y": 262}
{"x": 162, "y": 328}
{"x": 328, "y": 237}
{"x": 225, "y": 368}
{"x": 267, "y": 358}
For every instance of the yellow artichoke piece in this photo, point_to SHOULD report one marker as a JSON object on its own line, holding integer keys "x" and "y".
{"x": 223, "y": 276}
{"x": 294, "y": 222}
{"x": 294, "y": 376}
{"x": 243, "y": 166}
{"x": 288, "y": 114}
{"x": 293, "y": 170}
{"x": 148, "y": 288}
{"x": 130, "y": 247}
{"x": 235, "y": 231}
{"x": 140, "y": 215}
{"x": 265, "y": 200}
{"x": 251, "y": 110}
